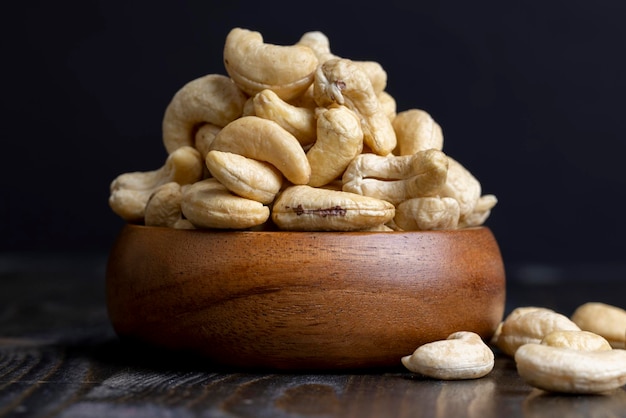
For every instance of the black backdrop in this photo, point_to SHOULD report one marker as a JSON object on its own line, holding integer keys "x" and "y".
{"x": 530, "y": 96}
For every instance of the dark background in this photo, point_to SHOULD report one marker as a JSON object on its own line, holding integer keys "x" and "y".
{"x": 530, "y": 96}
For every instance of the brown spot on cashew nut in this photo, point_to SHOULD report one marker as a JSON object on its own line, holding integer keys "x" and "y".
{"x": 307, "y": 208}
{"x": 320, "y": 44}
{"x": 340, "y": 81}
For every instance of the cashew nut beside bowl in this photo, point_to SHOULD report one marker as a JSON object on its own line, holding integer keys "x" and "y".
{"x": 463, "y": 355}
{"x": 559, "y": 369}
{"x": 606, "y": 320}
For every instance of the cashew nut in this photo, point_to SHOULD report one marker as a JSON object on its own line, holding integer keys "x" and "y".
{"x": 531, "y": 326}
{"x": 209, "y": 204}
{"x": 306, "y": 208}
{"x": 559, "y": 369}
{"x": 416, "y": 131}
{"x": 480, "y": 213}
{"x": 204, "y": 138}
{"x": 462, "y": 186}
{"x": 252, "y": 179}
{"x": 213, "y": 99}
{"x": 254, "y": 65}
{"x": 463, "y": 355}
{"x": 388, "y": 105}
{"x": 163, "y": 206}
{"x": 576, "y": 340}
{"x": 341, "y": 81}
{"x": 130, "y": 192}
{"x": 339, "y": 141}
{"x": 298, "y": 121}
{"x": 320, "y": 44}
{"x": 397, "y": 178}
{"x": 427, "y": 213}
{"x": 265, "y": 140}
{"x": 603, "y": 319}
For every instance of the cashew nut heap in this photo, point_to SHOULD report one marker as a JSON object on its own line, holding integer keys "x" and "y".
{"x": 295, "y": 137}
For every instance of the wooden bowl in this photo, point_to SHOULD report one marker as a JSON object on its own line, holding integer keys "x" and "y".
{"x": 302, "y": 300}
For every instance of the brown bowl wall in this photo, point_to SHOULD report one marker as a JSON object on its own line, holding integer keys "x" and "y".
{"x": 303, "y": 300}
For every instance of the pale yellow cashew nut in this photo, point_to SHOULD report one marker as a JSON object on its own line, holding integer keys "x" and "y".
{"x": 265, "y": 140}
{"x": 480, "y": 213}
{"x": 427, "y": 214}
{"x": 252, "y": 179}
{"x": 130, "y": 192}
{"x": 298, "y": 121}
{"x": 462, "y": 186}
{"x": 397, "y": 178}
{"x": 340, "y": 81}
{"x": 320, "y": 44}
{"x": 254, "y": 65}
{"x": 163, "y": 206}
{"x": 213, "y": 99}
{"x": 463, "y": 355}
{"x": 559, "y": 369}
{"x": 531, "y": 326}
{"x": 209, "y": 204}
{"x": 416, "y": 131}
{"x": 339, "y": 141}
{"x": 204, "y": 138}
{"x": 577, "y": 340}
{"x": 603, "y": 319}
{"x": 306, "y": 208}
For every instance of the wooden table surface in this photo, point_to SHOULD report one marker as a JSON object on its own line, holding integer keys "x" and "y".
{"x": 60, "y": 358}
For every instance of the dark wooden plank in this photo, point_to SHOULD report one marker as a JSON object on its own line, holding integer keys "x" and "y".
{"x": 59, "y": 357}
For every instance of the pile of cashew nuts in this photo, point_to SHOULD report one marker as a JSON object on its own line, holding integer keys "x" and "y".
{"x": 581, "y": 354}
{"x": 295, "y": 137}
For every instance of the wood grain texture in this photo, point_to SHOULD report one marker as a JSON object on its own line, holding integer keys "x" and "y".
{"x": 292, "y": 300}
{"x": 60, "y": 358}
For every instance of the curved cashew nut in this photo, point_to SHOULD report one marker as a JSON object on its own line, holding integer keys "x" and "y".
{"x": 339, "y": 141}
{"x": 213, "y": 99}
{"x": 463, "y": 355}
{"x": 427, "y": 214}
{"x": 397, "y": 178}
{"x": 341, "y": 81}
{"x": 255, "y": 65}
{"x": 531, "y": 326}
{"x": 462, "y": 186}
{"x": 209, "y": 204}
{"x": 388, "y": 105}
{"x": 306, "y": 208}
{"x": 480, "y": 213}
{"x": 265, "y": 140}
{"x": 298, "y": 121}
{"x": 204, "y": 138}
{"x": 559, "y": 369}
{"x": 576, "y": 340}
{"x": 603, "y": 319}
{"x": 130, "y": 192}
{"x": 320, "y": 44}
{"x": 416, "y": 131}
{"x": 252, "y": 179}
{"x": 163, "y": 206}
